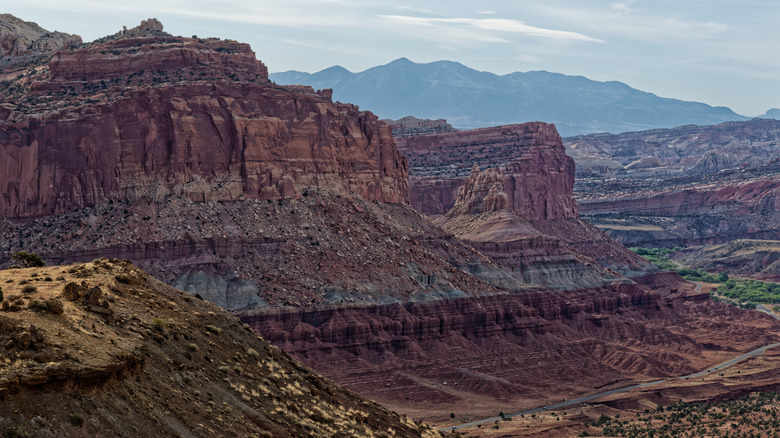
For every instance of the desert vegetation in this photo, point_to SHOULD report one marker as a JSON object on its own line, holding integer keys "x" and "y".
{"x": 738, "y": 291}
{"x": 753, "y": 415}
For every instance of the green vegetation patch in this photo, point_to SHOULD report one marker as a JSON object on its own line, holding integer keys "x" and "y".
{"x": 742, "y": 292}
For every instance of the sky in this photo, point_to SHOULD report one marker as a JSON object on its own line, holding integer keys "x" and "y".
{"x": 723, "y": 53}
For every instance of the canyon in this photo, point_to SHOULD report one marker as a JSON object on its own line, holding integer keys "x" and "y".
{"x": 692, "y": 185}
{"x": 300, "y": 216}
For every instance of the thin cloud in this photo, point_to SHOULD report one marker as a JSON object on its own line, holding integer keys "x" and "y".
{"x": 493, "y": 25}
{"x": 706, "y": 27}
{"x": 411, "y": 9}
{"x": 486, "y": 12}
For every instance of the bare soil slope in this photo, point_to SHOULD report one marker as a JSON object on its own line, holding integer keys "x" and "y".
{"x": 102, "y": 349}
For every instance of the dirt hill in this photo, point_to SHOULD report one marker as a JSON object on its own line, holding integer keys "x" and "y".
{"x": 102, "y": 349}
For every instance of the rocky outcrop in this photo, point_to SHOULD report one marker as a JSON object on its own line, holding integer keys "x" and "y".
{"x": 712, "y": 162}
{"x": 710, "y": 184}
{"x": 230, "y": 137}
{"x": 172, "y": 364}
{"x": 482, "y": 216}
{"x": 410, "y": 125}
{"x": 716, "y": 213}
{"x": 675, "y": 150}
{"x": 541, "y": 175}
{"x": 753, "y": 258}
{"x": 22, "y": 41}
{"x": 530, "y": 178}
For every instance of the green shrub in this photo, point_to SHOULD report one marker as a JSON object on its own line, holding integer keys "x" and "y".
{"x": 28, "y": 260}
{"x": 37, "y": 305}
{"x": 161, "y": 324}
{"x": 29, "y": 289}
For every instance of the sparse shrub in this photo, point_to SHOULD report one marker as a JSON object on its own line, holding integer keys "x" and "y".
{"x": 29, "y": 289}
{"x": 60, "y": 278}
{"x": 194, "y": 347}
{"x": 213, "y": 329}
{"x": 28, "y": 260}
{"x": 253, "y": 354}
{"x": 1, "y": 294}
{"x": 161, "y": 324}
{"x": 48, "y": 279}
{"x": 224, "y": 369}
{"x": 123, "y": 278}
{"x": 77, "y": 420}
{"x": 37, "y": 306}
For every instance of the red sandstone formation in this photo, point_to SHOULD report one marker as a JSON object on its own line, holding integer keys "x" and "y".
{"x": 533, "y": 184}
{"x": 440, "y": 163}
{"x": 410, "y": 125}
{"x": 683, "y": 213}
{"x": 176, "y": 153}
{"x": 690, "y": 185}
{"x": 208, "y": 127}
{"x": 475, "y": 356}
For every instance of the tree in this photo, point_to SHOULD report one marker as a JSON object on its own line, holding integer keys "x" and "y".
{"x": 28, "y": 260}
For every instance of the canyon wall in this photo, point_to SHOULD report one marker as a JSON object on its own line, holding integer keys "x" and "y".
{"x": 208, "y": 140}
{"x": 691, "y": 185}
{"x": 527, "y": 175}
{"x": 541, "y": 189}
{"x": 477, "y": 354}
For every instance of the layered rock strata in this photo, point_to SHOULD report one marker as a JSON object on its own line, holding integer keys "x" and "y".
{"x": 476, "y": 355}
{"x": 410, "y": 125}
{"x": 528, "y": 197}
{"x": 218, "y": 139}
{"x": 690, "y": 185}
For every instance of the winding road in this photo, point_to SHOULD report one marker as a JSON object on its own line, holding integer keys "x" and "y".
{"x": 757, "y": 351}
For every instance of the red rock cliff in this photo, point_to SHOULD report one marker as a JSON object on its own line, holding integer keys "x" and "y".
{"x": 539, "y": 174}
{"x": 160, "y": 115}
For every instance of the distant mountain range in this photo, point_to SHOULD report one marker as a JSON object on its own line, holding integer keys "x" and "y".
{"x": 774, "y": 113}
{"x": 468, "y": 98}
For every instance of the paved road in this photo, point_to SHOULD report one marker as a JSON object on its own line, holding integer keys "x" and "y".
{"x": 763, "y": 308}
{"x": 726, "y": 364}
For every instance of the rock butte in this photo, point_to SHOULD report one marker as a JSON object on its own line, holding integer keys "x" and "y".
{"x": 293, "y": 211}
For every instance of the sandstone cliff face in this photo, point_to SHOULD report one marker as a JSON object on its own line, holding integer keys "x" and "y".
{"x": 177, "y": 154}
{"x": 530, "y": 178}
{"x": 541, "y": 176}
{"x": 717, "y": 212}
{"x": 207, "y": 140}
